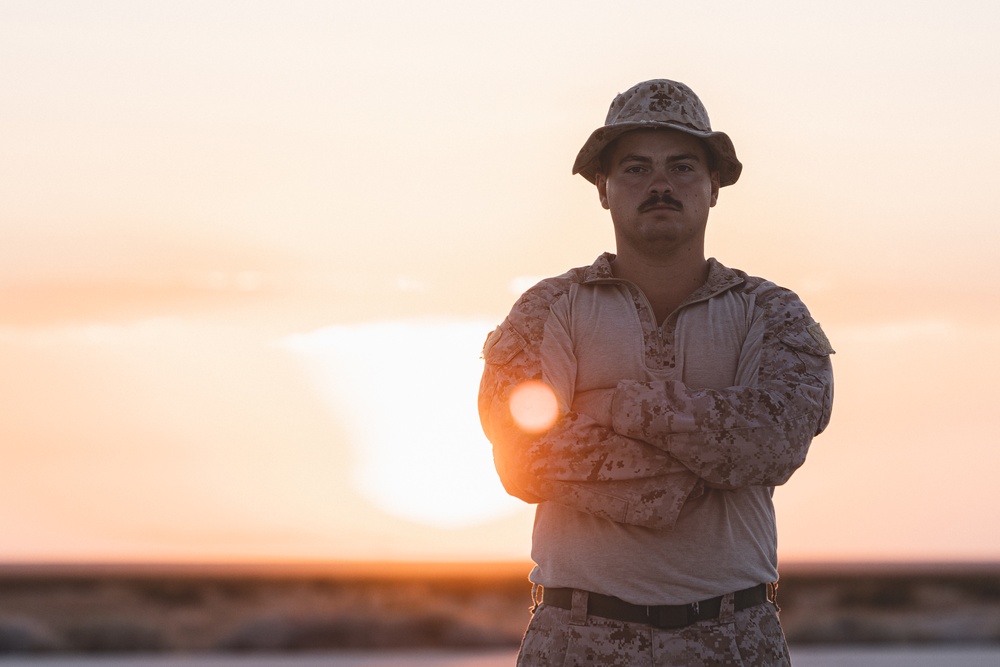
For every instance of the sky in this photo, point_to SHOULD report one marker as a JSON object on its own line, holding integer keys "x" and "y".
{"x": 251, "y": 250}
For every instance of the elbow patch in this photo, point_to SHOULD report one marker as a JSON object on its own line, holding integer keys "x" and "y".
{"x": 812, "y": 341}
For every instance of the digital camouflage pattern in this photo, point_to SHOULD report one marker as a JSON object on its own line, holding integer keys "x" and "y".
{"x": 666, "y": 440}
{"x": 665, "y": 104}
{"x": 577, "y": 462}
{"x": 751, "y": 637}
{"x": 743, "y": 436}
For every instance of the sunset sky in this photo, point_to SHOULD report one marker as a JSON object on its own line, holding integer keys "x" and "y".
{"x": 251, "y": 250}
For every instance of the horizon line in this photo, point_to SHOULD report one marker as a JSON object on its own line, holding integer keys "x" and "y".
{"x": 380, "y": 569}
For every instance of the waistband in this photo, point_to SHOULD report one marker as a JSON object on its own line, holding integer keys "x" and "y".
{"x": 659, "y": 616}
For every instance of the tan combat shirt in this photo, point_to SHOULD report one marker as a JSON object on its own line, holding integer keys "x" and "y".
{"x": 666, "y": 499}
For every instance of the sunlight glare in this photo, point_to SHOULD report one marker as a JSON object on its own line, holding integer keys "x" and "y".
{"x": 405, "y": 393}
{"x": 533, "y": 406}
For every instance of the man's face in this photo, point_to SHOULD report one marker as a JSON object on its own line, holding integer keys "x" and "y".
{"x": 659, "y": 190}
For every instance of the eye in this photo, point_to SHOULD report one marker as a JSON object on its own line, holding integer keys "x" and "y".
{"x": 635, "y": 169}
{"x": 684, "y": 168}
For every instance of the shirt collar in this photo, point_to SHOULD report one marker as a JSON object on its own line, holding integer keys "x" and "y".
{"x": 720, "y": 277}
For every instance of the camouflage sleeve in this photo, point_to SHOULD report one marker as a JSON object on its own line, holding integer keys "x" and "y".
{"x": 751, "y": 435}
{"x": 577, "y": 462}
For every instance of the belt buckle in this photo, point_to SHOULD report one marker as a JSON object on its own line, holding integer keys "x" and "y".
{"x": 672, "y": 617}
{"x": 693, "y": 612}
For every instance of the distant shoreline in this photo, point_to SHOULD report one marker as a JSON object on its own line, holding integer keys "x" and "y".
{"x": 437, "y": 569}
{"x": 318, "y": 606}
{"x": 270, "y": 570}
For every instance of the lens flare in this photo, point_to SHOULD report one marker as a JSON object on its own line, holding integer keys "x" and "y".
{"x": 533, "y": 406}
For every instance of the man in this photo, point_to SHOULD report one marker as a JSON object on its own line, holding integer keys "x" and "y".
{"x": 684, "y": 391}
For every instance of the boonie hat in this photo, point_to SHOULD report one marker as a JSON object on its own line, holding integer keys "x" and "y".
{"x": 656, "y": 104}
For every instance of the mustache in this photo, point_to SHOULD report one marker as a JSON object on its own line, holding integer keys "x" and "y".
{"x": 655, "y": 200}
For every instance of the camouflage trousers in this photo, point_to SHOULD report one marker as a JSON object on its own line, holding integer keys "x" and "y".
{"x": 750, "y": 637}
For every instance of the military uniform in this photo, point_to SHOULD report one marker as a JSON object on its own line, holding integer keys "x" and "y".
{"x": 669, "y": 502}
{"x": 655, "y": 530}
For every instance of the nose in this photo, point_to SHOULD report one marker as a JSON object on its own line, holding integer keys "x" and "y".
{"x": 659, "y": 182}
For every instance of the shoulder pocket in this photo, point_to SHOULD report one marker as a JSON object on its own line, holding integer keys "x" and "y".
{"x": 809, "y": 339}
{"x": 503, "y": 344}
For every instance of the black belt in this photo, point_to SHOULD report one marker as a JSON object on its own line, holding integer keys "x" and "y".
{"x": 660, "y": 616}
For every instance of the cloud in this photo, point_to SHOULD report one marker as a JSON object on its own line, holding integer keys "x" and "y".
{"x": 88, "y": 333}
{"x": 409, "y": 284}
{"x": 903, "y": 330}
{"x": 520, "y": 284}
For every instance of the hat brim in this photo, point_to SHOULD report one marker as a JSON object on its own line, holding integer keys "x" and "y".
{"x": 588, "y": 160}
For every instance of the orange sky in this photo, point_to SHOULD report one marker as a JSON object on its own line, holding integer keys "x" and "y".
{"x": 251, "y": 252}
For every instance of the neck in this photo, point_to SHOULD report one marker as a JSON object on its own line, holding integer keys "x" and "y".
{"x": 666, "y": 282}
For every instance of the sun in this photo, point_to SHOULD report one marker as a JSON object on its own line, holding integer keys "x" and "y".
{"x": 406, "y": 393}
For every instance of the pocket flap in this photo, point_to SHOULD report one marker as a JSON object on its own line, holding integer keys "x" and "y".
{"x": 810, "y": 339}
{"x": 503, "y": 344}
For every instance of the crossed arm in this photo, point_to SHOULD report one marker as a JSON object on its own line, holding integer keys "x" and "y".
{"x": 579, "y": 461}
{"x": 625, "y": 467}
{"x": 753, "y": 434}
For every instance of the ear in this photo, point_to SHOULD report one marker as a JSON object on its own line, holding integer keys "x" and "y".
{"x": 602, "y": 189}
{"x": 715, "y": 189}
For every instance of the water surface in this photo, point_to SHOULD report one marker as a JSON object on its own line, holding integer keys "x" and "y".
{"x": 986, "y": 656}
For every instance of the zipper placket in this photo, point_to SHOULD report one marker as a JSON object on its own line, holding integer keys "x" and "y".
{"x": 651, "y": 317}
{"x": 659, "y": 330}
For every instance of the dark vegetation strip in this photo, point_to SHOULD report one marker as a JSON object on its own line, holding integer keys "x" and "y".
{"x": 308, "y": 607}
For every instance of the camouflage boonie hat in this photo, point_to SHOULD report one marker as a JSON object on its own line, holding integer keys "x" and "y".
{"x": 656, "y": 104}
